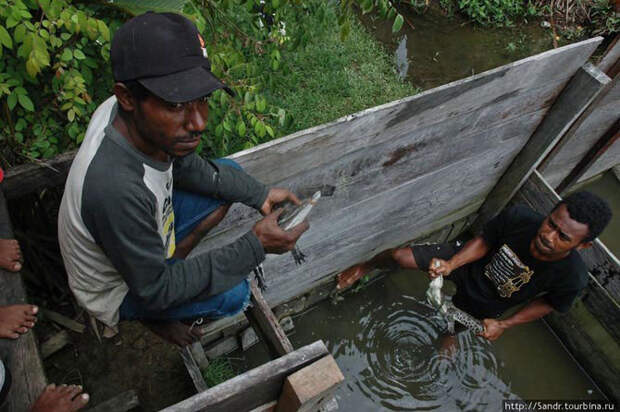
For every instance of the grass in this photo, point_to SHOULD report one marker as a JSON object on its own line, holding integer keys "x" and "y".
{"x": 330, "y": 78}
{"x": 218, "y": 371}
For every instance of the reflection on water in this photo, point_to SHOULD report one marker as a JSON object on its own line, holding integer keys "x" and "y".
{"x": 410, "y": 365}
{"x": 394, "y": 355}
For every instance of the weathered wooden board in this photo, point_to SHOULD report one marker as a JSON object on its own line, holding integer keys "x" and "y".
{"x": 253, "y": 388}
{"x": 594, "y": 349}
{"x": 577, "y": 141}
{"x": 389, "y": 169}
{"x": 588, "y": 83}
{"x": 32, "y": 177}
{"x": 23, "y": 357}
{"x": 266, "y": 325}
{"x": 122, "y": 403}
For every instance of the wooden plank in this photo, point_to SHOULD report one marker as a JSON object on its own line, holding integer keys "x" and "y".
{"x": 253, "y": 388}
{"x": 594, "y": 154}
{"x": 309, "y": 388}
{"x": 580, "y": 92}
{"x": 268, "y": 407}
{"x": 391, "y": 161}
{"x": 124, "y": 402}
{"x": 603, "y": 292}
{"x": 63, "y": 320}
{"x": 573, "y": 146}
{"x": 266, "y": 324}
{"x": 193, "y": 369}
{"x": 55, "y": 343}
{"x": 22, "y": 355}
{"x": 32, "y": 177}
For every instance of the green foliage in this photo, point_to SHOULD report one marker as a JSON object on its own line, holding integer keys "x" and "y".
{"x": 50, "y": 54}
{"x": 329, "y": 78}
{"x": 219, "y": 370}
{"x": 604, "y": 18}
{"x": 497, "y": 12}
{"x": 385, "y": 9}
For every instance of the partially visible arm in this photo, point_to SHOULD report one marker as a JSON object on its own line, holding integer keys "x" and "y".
{"x": 473, "y": 250}
{"x": 536, "y": 309}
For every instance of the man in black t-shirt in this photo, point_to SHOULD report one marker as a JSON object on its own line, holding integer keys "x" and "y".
{"x": 521, "y": 256}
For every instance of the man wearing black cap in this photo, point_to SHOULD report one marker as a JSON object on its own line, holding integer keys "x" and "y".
{"x": 124, "y": 232}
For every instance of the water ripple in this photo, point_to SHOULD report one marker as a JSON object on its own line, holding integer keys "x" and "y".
{"x": 410, "y": 368}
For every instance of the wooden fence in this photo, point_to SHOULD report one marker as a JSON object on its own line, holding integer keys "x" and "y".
{"x": 404, "y": 169}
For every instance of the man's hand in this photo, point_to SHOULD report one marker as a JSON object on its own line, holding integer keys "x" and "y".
{"x": 439, "y": 267}
{"x": 275, "y": 196}
{"x": 493, "y": 329}
{"x": 273, "y": 238}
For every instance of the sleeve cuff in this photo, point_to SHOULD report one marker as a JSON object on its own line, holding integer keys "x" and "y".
{"x": 257, "y": 247}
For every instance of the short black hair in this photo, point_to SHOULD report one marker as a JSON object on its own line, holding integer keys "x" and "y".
{"x": 589, "y": 209}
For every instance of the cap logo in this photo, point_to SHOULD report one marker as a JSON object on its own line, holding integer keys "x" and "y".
{"x": 202, "y": 46}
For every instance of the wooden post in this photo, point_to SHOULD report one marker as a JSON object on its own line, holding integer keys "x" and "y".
{"x": 266, "y": 324}
{"x": 22, "y": 354}
{"x": 578, "y": 94}
{"x": 193, "y": 369}
{"x": 610, "y": 63}
{"x": 600, "y": 147}
{"x": 309, "y": 388}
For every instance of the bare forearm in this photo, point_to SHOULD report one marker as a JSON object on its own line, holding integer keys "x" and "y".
{"x": 473, "y": 250}
{"x": 532, "y": 311}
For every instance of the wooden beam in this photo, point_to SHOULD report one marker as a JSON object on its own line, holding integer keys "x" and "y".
{"x": 266, "y": 324}
{"x": 610, "y": 63}
{"x": 252, "y": 388}
{"x": 55, "y": 343}
{"x": 22, "y": 354}
{"x": 192, "y": 368}
{"x": 595, "y": 152}
{"x": 591, "y": 329}
{"x": 311, "y": 387}
{"x": 32, "y": 177}
{"x": 579, "y": 93}
{"x": 62, "y": 320}
{"x": 122, "y": 403}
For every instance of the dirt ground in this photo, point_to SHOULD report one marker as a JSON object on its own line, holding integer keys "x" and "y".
{"x": 134, "y": 359}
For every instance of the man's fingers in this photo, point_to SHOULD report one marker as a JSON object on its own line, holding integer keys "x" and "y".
{"x": 293, "y": 198}
{"x": 296, "y": 231}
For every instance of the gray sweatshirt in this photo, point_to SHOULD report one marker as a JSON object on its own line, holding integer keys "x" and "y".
{"x": 116, "y": 225}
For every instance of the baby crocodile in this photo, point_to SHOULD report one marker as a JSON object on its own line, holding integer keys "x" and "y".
{"x": 435, "y": 297}
{"x": 289, "y": 218}
{"x": 294, "y": 215}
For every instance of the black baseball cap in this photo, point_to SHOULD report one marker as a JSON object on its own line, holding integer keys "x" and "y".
{"x": 166, "y": 54}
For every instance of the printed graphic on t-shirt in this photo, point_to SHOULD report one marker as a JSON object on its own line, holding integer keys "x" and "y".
{"x": 167, "y": 225}
{"x": 507, "y": 272}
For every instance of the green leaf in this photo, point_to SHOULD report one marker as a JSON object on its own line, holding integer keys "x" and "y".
{"x": 270, "y": 131}
{"x": 398, "y": 23}
{"x": 275, "y": 3}
{"x": 25, "y": 102}
{"x": 19, "y": 33}
{"x": 5, "y": 38}
{"x": 241, "y": 129}
{"x": 103, "y": 30}
{"x": 66, "y": 55}
{"x": 71, "y": 115}
{"x": 78, "y": 54}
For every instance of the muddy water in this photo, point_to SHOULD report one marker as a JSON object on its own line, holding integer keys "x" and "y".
{"x": 440, "y": 49}
{"x": 395, "y": 356}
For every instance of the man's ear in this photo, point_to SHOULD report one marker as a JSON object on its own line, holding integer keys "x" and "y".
{"x": 125, "y": 98}
{"x": 584, "y": 245}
